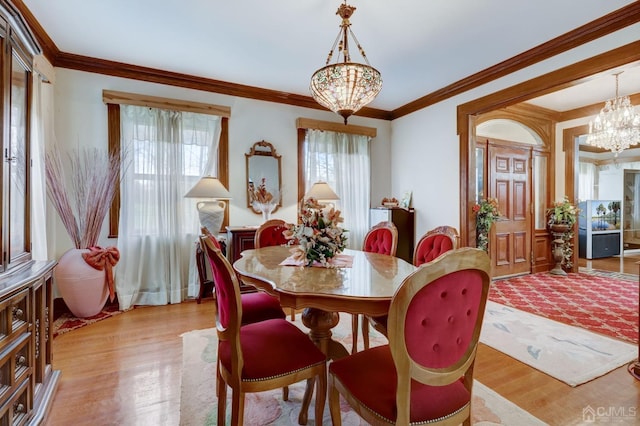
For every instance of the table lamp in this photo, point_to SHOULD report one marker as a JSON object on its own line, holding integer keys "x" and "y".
{"x": 321, "y": 191}
{"x": 211, "y": 213}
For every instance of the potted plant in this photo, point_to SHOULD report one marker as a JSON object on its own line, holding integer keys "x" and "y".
{"x": 81, "y": 190}
{"x": 561, "y": 217}
{"x": 562, "y": 213}
{"x": 486, "y": 212}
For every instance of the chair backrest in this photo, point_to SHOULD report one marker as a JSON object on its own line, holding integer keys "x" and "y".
{"x": 435, "y": 242}
{"x": 270, "y": 234}
{"x": 435, "y": 320}
{"x": 205, "y": 231}
{"x": 229, "y": 304}
{"x": 382, "y": 238}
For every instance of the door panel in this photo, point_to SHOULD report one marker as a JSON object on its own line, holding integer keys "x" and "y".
{"x": 509, "y": 180}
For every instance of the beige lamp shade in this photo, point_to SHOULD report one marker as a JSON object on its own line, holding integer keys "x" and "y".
{"x": 321, "y": 191}
{"x": 209, "y": 187}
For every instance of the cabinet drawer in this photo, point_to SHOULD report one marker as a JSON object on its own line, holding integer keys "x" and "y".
{"x": 15, "y": 365}
{"x": 15, "y": 412}
{"x": 14, "y": 316}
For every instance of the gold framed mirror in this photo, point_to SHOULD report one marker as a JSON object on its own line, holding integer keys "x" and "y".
{"x": 264, "y": 177}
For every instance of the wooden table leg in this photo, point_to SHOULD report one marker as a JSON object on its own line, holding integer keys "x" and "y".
{"x": 320, "y": 324}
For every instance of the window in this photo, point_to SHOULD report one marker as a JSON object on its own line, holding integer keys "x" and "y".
{"x": 338, "y": 155}
{"x": 165, "y": 149}
{"x": 193, "y": 151}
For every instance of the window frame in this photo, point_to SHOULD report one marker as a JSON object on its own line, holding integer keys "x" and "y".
{"x": 113, "y": 101}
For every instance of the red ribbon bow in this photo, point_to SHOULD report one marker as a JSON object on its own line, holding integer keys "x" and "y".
{"x": 104, "y": 258}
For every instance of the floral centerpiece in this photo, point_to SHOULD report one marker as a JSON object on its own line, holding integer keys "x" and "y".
{"x": 319, "y": 235}
{"x": 561, "y": 217}
{"x": 261, "y": 199}
{"x": 486, "y": 212}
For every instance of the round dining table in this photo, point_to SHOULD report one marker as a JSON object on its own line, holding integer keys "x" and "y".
{"x": 365, "y": 285}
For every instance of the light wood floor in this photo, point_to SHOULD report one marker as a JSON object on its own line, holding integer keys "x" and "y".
{"x": 126, "y": 370}
{"x": 627, "y": 263}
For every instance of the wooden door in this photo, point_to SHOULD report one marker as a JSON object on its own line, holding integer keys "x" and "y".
{"x": 509, "y": 178}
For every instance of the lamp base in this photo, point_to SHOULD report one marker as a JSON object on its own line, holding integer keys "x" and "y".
{"x": 211, "y": 214}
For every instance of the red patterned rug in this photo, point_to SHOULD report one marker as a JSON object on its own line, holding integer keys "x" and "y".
{"x": 67, "y": 321}
{"x": 593, "y": 301}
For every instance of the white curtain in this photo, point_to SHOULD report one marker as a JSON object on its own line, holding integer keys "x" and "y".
{"x": 342, "y": 160}
{"x": 587, "y": 180}
{"x": 41, "y": 135}
{"x": 165, "y": 153}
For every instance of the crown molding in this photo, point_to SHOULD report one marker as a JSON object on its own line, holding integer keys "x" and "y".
{"x": 600, "y": 27}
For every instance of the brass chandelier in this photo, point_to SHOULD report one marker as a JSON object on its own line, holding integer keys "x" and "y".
{"x": 617, "y": 127}
{"x": 345, "y": 87}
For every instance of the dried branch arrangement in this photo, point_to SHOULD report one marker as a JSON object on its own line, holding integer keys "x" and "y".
{"x": 82, "y": 189}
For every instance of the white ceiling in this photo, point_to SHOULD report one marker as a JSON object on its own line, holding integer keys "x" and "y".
{"x": 418, "y": 46}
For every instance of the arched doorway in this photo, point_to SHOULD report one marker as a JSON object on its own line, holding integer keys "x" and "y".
{"x": 469, "y": 113}
{"x": 512, "y": 167}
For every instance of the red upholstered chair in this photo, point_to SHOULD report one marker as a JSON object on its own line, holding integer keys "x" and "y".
{"x": 425, "y": 374}
{"x": 382, "y": 238}
{"x": 434, "y": 243}
{"x": 431, "y": 245}
{"x": 259, "y": 356}
{"x": 269, "y": 234}
{"x": 256, "y": 306}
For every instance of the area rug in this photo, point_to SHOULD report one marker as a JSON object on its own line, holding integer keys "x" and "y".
{"x": 596, "y": 302}
{"x": 570, "y": 354}
{"x": 68, "y": 322}
{"x": 198, "y": 404}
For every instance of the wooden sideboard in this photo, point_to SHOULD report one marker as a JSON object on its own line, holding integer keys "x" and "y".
{"x": 240, "y": 238}
{"x": 27, "y": 380}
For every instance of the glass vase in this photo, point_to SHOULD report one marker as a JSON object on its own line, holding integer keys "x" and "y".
{"x": 266, "y": 209}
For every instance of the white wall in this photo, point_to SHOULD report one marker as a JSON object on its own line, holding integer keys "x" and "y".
{"x": 81, "y": 119}
{"x": 425, "y": 143}
{"x": 418, "y": 152}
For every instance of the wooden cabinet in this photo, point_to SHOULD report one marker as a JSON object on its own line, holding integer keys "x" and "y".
{"x": 404, "y": 220}
{"x": 240, "y": 238}
{"x": 27, "y": 380}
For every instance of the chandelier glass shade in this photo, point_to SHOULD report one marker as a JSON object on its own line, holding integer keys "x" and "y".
{"x": 617, "y": 127}
{"x": 345, "y": 87}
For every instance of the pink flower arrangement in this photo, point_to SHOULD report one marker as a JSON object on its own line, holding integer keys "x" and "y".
{"x": 319, "y": 235}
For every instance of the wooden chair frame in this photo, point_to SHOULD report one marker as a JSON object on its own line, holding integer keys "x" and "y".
{"x": 233, "y": 377}
{"x": 407, "y": 368}
{"x": 355, "y": 318}
{"x": 271, "y": 223}
{"x": 256, "y": 243}
{"x": 449, "y": 231}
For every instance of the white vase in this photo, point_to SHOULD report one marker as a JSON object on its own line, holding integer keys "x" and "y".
{"x": 211, "y": 214}
{"x": 266, "y": 209}
{"x": 83, "y": 288}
